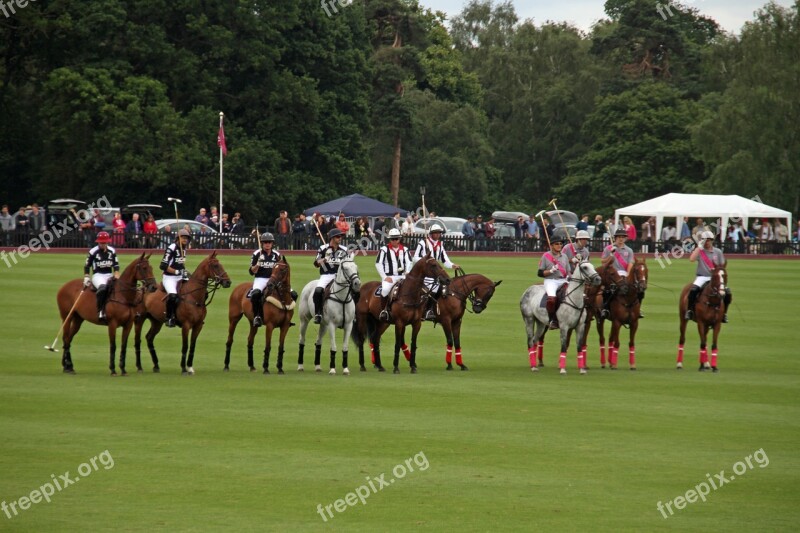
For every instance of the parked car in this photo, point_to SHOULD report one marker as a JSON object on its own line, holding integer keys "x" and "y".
{"x": 451, "y": 225}
{"x": 204, "y": 236}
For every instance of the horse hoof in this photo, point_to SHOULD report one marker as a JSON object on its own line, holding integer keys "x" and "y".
{"x": 714, "y": 369}
{"x": 113, "y": 374}
{"x": 123, "y": 373}
{"x": 449, "y": 366}
{"x": 317, "y": 368}
{"x": 299, "y": 368}
{"x": 363, "y": 368}
{"x": 563, "y": 372}
{"x": 534, "y": 369}
{"x": 463, "y": 368}
{"x": 156, "y": 370}
{"x": 413, "y": 370}
{"x": 332, "y": 372}
{"x": 184, "y": 373}
{"x": 346, "y": 372}
{"x": 603, "y": 366}
{"x": 281, "y": 372}
{"x": 266, "y": 371}
{"x": 381, "y": 369}
{"x": 702, "y": 368}
{"x": 612, "y": 368}
{"x": 583, "y": 371}
{"x": 226, "y": 369}
{"x": 396, "y": 370}
{"x": 139, "y": 370}
{"x": 633, "y": 368}
{"x": 541, "y": 364}
{"x": 191, "y": 371}
{"x": 69, "y": 370}
{"x": 252, "y": 369}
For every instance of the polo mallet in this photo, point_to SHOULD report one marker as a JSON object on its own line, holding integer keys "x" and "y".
{"x": 52, "y": 347}
{"x": 314, "y": 218}
{"x": 175, "y": 202}
{"x": 544, "y": 227}
{"x": 553, "y": 203}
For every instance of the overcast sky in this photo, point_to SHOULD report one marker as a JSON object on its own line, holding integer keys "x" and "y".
{"x": 730, "y": 14}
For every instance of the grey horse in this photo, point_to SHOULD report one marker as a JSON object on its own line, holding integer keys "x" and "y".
{"x": 338, "y": 312}
{"x": 570, "y": 314}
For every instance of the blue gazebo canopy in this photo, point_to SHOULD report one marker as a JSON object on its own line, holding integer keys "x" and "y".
{"x": 356, "y": 205}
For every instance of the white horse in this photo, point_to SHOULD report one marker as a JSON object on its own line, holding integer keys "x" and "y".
{"x": 570, "y": 315}
{"x": 339, "y": 310}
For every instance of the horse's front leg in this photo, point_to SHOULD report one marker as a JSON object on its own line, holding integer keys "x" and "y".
{"x": 714, "y": 353}
{"x": 415, "y": 327}
{"x": 702, "y": 329}
{"x": 155, "y": 327}
{"x": 447, "y": 327}
{"x": 126, "y": 331}
{"x": 268, "y": 328}
{"x": 457, "y": 344}
{"x": 137, "y": 341}
{"x": 562, "y": 357}
{"x": 184, "y": 347}
{"x": 112, "y": 346}
{"x": 600, "y": 321}
{"x": 195, "y": 333}
{"x": 233, "y": 321}
{"x": 251, "y": 336}
{"x": 399, "y": 333}
{"x": 613, "y": 344}
{"x": 282, "y": 343}
{"x": 580, "y": 334}
{"x": 348, "y": 329}
{"x": 332, "y": 335}
{"x": 632, "y": 343}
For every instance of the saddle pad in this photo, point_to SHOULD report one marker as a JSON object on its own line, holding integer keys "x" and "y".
{"x": 249, "y": 293}
{"x": 378, "y": 291}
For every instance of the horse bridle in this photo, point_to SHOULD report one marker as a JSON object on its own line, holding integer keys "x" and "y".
{"x": 279, "y": 285}
{"x": 210, "y": 286}
{"x": 138, "y": 294}
{"x": 581, "y": 282}
{"x": 471, "y": 295}
{"x": 348, "y": 284}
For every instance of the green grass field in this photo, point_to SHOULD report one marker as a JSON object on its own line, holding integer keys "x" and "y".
{"x": 506, "y": 449}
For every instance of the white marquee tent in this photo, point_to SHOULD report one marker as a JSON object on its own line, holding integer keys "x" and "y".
{"x": 711, "y": 207}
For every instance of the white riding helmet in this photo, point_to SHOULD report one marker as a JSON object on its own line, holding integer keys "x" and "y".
{"x": 582, "y": 234}
{"x": 394, "y": 233}
{"x": 435, "y": 228}
{"x": 706, "y": 235}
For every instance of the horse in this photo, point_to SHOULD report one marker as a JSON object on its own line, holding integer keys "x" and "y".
{"x": 195, "y": 295}
{"x": 407, "y": 307}
{"x": 278, "y": 310}
{"x": 123, "y": 297}
{"x": 624, "y": 310}
{"x": 709, "y": 308}
{"x": 452, "y": 305}
{"x": 339, "y": 309}
{"x": 570, "y": 315}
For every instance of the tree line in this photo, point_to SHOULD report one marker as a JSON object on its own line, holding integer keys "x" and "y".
{"x": 121, "y": 98}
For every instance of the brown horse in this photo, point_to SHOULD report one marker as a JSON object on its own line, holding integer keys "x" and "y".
{"x": 407, "y": 308}
{"x": 195, "y": 296}
{"x": 708, "y": 312}
{"x": 452, "y": 305}
{"x": 278, "y": 310}
{"x": 123, "y": 298}
{"x": 624, "y": 309}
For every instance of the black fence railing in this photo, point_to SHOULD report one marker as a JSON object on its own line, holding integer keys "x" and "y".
{"x": 75, "y": 238}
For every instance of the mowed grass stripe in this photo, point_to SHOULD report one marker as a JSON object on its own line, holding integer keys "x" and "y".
{"x": 507, "y": 450}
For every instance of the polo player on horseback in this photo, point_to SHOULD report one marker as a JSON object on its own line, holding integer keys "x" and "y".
{"x": 621, "y": 257}
{"x": 392, "y": 264}
{"x": 432, "y": 244}
{"x": 329, "y": 257}
{"x": 708, "y": 257}
{"x": 102, "y": 260}
{"x": 577, "y": 251}
{"x": 262, "y": 263}
{"x": 173, "y": 264}
{"x": 554, "y": 267}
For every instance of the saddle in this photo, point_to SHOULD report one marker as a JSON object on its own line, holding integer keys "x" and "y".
{"x": 561, "y": 294}
{"x": 392, "y": 294}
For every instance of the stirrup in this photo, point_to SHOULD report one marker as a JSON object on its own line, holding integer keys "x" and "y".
{"x": 257, "y": 321}
{"x": 430, "y": 315}
{"x": 384, "y": 315}
{"x": 604, "y": 313}
{"x": 317, "y": 319}
{"x": 553, "y": 324}
{"x": 170, "y": 323}
{"x": 689, "y": 315}
{"x": 725, "y": 318}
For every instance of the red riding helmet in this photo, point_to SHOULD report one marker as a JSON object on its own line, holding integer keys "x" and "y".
{"x": 103, "y": 237}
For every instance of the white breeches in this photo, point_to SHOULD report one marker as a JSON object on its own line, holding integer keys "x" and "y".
{"x": 699, "y": 281}
{"x": 260, "y": 284}
{"x": 551, "y": 285}
{"x": 101, "y": 279}
{"x": 170, "y": 283}
{"x": 324, "y": 280}
{"x": 386, "y": 286}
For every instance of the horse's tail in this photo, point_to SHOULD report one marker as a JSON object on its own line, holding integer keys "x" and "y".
{"x": 355, "y": 335}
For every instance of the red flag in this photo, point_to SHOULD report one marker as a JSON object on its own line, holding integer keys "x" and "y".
{"x": 221, "y": 140}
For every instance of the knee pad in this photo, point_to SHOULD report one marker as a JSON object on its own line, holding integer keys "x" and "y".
{"x": 256, "y": 294}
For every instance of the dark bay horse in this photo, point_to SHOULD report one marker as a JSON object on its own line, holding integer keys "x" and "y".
{"x": 195, "y": 296}
{"x": 278, "y": 311}
{"x": 708, "y": 312}
{"x": 624, "y": 309}
{"x": 123, "y": 298}
{"x": 407, "y": 308}
{"x": 451, "y": 306}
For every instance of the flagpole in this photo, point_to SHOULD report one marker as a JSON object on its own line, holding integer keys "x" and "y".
{"x": 221, "y": 114}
